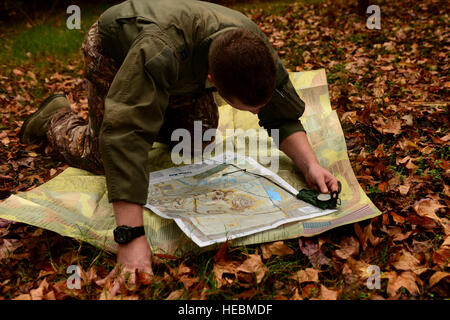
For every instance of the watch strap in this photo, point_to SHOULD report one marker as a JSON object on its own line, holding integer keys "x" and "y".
{"x": 137, "y": 232}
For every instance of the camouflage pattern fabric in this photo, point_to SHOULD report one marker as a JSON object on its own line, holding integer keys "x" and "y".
{"x": 77, "y": 140}
{"x": 75, "y": 204}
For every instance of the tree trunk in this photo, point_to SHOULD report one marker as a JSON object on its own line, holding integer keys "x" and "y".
{"x": 362, "y": 7}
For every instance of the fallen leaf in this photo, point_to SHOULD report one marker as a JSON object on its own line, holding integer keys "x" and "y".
{"x": 349, "y": 247}
{"x": 175, "y": 295}
{"x": 356, "y": 269}
{"x": 310, "y": 290}
{"x": 427, "y": 208}
{"x": 277, "y": 248}
{"x": 446, "y": 138}
{"x": 25, "y": 296}
{"x": 307, "y": 275}
{"x": 188, "y": 281}
{"x": 391, "y": 126}
{"x": 254, "y": 264}
{"x": 397, "y": 218}
{"x": 38, "y": 294}
{"x": 313, "y": 251}
{"x": 296, "y": 295}
{"x": 328, "y": 294}
{"x": 406, "y": 279}
{"x": 89, "y": 276}
{"x": 407, "y": 262}
{"x": 366, "y": 236}
{"x": 18, "y": 72}
{"x": 144, "y": 278}
{"x": 5, "y": 141}
{"x": 438, "y": 276}
{"x": 50, "y": 295}
{"x": 404, "y": 189}
{"x": 8, "y": 247}
{"x": 224, "y": 266}
{"x": 441, "y": 257}
{"x": 183, "y": 269}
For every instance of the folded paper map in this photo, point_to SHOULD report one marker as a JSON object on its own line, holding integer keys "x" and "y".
{"x": 225, "y": 197}
{"x": 75, "y": 203}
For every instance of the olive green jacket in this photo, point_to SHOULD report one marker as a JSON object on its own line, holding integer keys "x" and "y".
{"x": 162, "y": 46}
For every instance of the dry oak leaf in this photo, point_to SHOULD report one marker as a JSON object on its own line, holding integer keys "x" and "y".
{"x": 188, "y": 281}
{"x": 438, "y": 276}
{"x": 38, "y": 294}
{"x": 175, "y": 295}
{"x": 446, "y": 225}
{"x": 313, "y": 251}
{"x": 328, "y": 294}
{"x": 25, "y": 296}
{"x": 404, "y": 189}
{"x": 427, "y": 208}
{"x": 446, "y": 138}
{"x": 441, "y": 257}
{"x": 89, "y": 276}
{"x": 391, "y": 126}
{"x": 307, "y": 275}
{"x": 183, "y": 269}
{"x": 406, "y": 279}
{"x": 224, "y": 267}
{"x": 357, "y": 268}
{"x": 397, "y": 234}
{"x": 366, "y": 235}
{"x": 277, "y": 248}
{"x": 407, "y": 262}
{"x": 398, "y": 219}
{"x": 254, "y": 264}
{"x": 8, "y": 247}
{"x": 296, "y": 295}
{"x": 349, "y": 247}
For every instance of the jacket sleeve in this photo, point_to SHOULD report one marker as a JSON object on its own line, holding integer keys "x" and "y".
{"x": 284, "y": 109}
{"x": 134, "y": 113}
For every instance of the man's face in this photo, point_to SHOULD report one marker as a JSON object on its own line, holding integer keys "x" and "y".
{"x": 235, "y": 103}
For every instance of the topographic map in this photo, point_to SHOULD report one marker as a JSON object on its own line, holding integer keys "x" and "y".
{"x": 225, "y": 197}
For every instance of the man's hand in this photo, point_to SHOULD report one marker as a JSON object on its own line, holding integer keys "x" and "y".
{"x": 133, "y": 257}
{"x": 297, "y": 147}
{"x": 321, "y": 179}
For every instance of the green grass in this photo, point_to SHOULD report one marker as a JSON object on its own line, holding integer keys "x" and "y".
{"x": 25, "y": 44}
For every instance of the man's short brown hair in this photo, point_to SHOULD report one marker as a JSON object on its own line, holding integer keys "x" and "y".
{"x": 242, "y": 67}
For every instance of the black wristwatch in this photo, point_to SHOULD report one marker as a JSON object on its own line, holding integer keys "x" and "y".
{"x": 124, "y": 234}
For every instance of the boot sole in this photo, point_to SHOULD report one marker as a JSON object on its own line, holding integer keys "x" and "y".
{"x": 41, "y": 107}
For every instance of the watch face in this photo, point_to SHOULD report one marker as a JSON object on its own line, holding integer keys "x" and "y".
{"x": 121, "y": 235}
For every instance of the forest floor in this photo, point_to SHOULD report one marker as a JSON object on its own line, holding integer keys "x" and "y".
{"x": 390, "y": 87}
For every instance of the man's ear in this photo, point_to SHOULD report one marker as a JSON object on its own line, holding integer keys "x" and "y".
{"x": 210, "y": 79}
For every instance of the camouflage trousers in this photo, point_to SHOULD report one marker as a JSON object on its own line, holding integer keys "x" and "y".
{"x": 77, "y": 139}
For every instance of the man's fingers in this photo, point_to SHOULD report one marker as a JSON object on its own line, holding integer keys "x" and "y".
{"x": 116, "y": 286}
{"x": 322, "y": 186}
{"x": 110, "y": 275}
{"x": 332, "y": 184}
{"x": 131, "y": 283}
